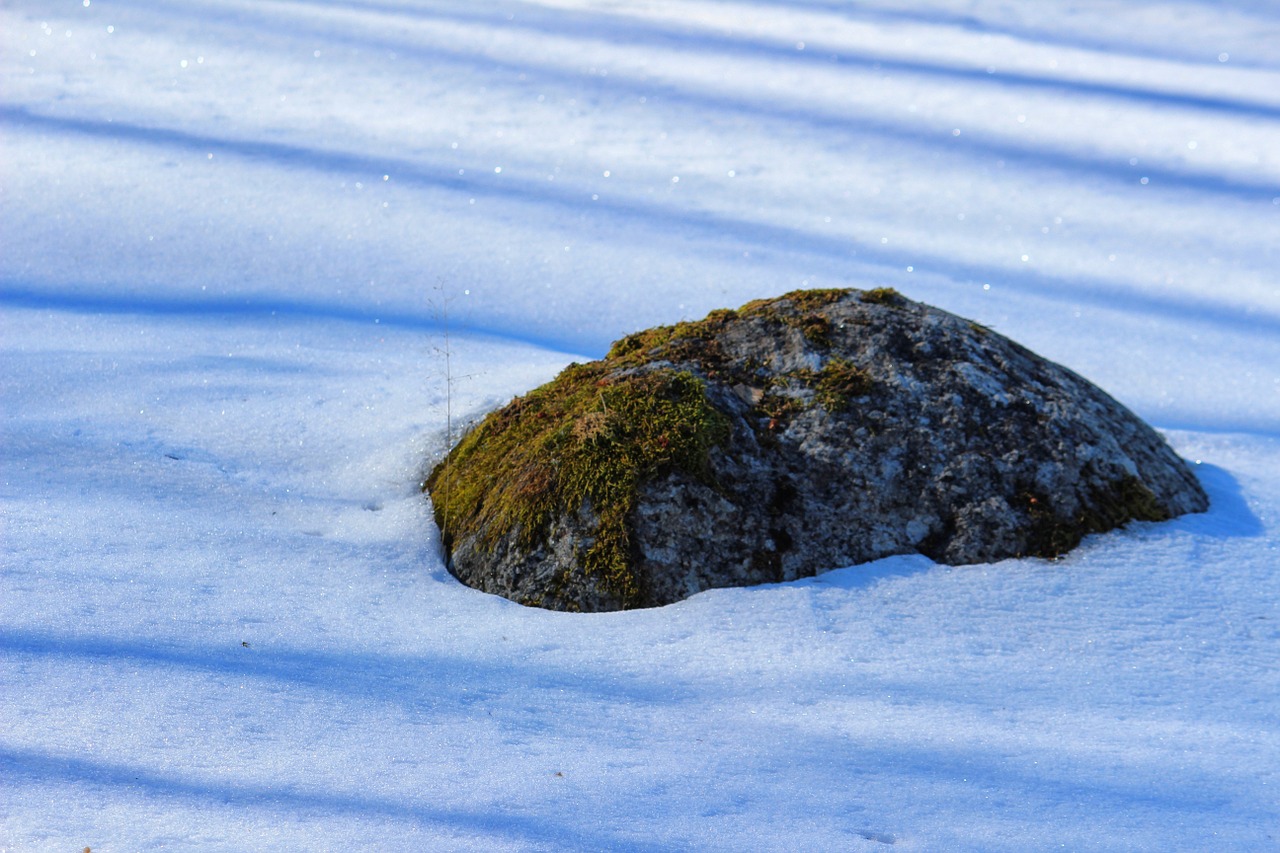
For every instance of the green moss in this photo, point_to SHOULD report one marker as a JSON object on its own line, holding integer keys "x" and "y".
{"x": 639, "y": 343}
{"x": 590, "y": 437}
{"x": 883, "y": 296}
{"x": 695, "y": 341}
{"x": 777, "y": 407}
{"x": 692, "y": 341}
{"x": 1129, "y": 499}
{"x": 802, "y": 301}
{"x": 816, "y": 328}
{"x": 795, "y": 391}
{"x": 720, "y": 316}
{"x": 839, "y": 381}
{"x": 1124, "y": 500}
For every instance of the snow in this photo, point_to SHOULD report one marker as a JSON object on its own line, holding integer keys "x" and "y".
{"x": 234, "y": 232}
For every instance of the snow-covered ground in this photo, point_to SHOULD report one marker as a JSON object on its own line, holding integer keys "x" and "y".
{"x": 231, "y": 232}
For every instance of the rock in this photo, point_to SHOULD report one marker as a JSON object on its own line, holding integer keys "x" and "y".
{"x": 818, "y": 430}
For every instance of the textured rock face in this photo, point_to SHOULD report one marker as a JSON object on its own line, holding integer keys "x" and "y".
{"x": 818, "y": 430}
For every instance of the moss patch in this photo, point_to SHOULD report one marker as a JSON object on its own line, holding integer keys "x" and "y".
{"x": 592, "y": 437}
{"x": 1126, "y": 499}
{"x": 838, "y": 382}
{"x": 801, "y": 301}
{"x": 694, "y": 341}
{"x": 883, "y": 296}
{"x": 785, "y": 395}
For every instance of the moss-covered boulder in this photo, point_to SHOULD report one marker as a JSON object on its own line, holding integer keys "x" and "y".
{"x": 820, "y": 429}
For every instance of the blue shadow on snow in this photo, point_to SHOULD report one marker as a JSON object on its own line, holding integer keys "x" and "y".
{"x": 504, "y": 825}
{"x": 1109, "y": 294}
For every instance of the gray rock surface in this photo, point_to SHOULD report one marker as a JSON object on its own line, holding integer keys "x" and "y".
{"x": 840, "y": 427}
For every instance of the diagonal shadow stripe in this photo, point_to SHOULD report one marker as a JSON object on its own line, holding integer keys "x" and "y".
{"x": 438, "y": 681}
{"x": 828, "y": 122}
{"x": 975, "y": 24}
{"x": 629, "y": 30}
{"x": 106, "y": 299}
{"x": 49, "y": 768}
{"x": 683, "y": 221}
{"x": 600, "y": 27}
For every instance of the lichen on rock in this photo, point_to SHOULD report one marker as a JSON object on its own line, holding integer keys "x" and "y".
{"x": 820, "y": 429}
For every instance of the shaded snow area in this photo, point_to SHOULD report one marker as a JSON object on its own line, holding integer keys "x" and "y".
{"x": 232, "y": 233}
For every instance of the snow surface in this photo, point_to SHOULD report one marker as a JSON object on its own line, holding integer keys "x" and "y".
{"x": 231, "y": 232}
